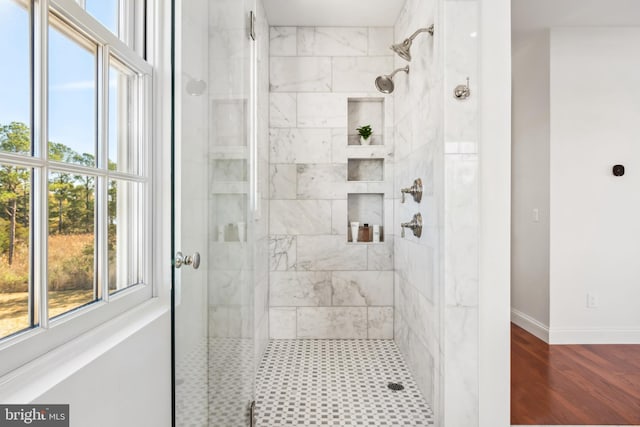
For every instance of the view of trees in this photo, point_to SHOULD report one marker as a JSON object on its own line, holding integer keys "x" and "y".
{"x": 71, "y": 217}
{"x": 14, "y": 190}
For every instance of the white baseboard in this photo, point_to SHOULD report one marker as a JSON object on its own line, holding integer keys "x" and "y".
{"x": 530, "y": 324}
{"x": 560, "y": 336}
{"x": 594, "y": 336}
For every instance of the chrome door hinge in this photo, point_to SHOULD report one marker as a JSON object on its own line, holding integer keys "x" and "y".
{"x": 252, "y": 25}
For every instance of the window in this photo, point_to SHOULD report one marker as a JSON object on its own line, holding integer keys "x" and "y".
{"x": 105, "y": 11}
{"x": 74, "y": 170}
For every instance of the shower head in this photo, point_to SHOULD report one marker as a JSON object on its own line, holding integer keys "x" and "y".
{"x": 385, "y": 84}
{"x": 404, "y": 49}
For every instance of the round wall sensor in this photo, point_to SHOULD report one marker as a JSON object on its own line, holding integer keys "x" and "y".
{"x": 618, "y": 170}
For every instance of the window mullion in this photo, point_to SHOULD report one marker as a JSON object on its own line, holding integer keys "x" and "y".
{"x": 102, "y": 182}
{"x": 40, "y": 187}
{"x": 33, "y": 304}
{"x": 144, "y": 109}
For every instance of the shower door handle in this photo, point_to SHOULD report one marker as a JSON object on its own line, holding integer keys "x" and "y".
{"x": 192, "y": 260}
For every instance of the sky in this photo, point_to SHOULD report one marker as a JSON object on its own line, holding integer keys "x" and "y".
{"x": 72, "y": 77}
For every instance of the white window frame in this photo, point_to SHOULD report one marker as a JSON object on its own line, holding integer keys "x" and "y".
{"x": 23, "y": 347}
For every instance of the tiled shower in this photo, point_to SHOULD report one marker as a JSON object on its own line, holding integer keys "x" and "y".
{"x": 322, "y": 284}
{"x": 286, "y": 274}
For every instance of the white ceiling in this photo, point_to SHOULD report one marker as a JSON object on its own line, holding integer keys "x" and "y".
{"x": 529, "y": 15}
{"x": 333, "y": 13}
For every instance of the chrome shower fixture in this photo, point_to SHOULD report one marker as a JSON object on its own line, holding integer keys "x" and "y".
{"x": 415, "y": 225}
{"x": 404, "y": 49}
{"x": 385, "y": 84}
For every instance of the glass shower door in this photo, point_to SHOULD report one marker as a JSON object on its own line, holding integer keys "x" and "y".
{"x": 213, "y": 186}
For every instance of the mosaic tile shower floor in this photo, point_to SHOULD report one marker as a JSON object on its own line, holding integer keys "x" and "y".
{"x": 337, "y": 383}
{"x": 301, "y": 383}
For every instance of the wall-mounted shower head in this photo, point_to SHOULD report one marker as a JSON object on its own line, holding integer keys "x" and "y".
{"x": 404, "y": 49}
{"x": 385, "y": 84}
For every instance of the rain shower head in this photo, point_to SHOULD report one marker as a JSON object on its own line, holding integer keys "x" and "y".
{"x": 404, "y": 49}
{"x": 385, "y": 84}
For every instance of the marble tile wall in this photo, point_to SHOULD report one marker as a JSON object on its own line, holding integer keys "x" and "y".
{"x": 420, "y": 150}
{"x": 321, "y": 286}
{"x": 460, "y": 340}
{"x": 436, "y": 282}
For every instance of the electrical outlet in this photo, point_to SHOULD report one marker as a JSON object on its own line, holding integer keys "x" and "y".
{"x": 535, "y": 215}
{"x": 592, "y": 300}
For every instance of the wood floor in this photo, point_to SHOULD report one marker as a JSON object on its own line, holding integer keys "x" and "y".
{"x": 573, "y": 384}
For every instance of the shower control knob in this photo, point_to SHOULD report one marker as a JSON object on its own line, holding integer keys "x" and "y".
{"x": 414, "y": 225}
{"x": 415, "y": 190}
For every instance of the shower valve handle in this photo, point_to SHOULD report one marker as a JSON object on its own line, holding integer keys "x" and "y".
{"x": 414, "y": 225}
{"x": 415, "y": 190}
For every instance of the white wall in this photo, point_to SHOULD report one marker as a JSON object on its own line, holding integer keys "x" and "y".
{"x": 595, "y": 231}
{"x": 575, "y": 113}
{"x": 530, "y": 180}
{"x": 128, "y": 385}
{"x": 118, "y": 374}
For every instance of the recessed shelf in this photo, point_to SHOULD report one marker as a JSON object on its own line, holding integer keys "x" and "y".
{"x": 365, "y": 111}
{"x": 226, "y": 209}
{"x": 229, "y": 170}
{"x": 368, "y": 152}
{"x": 365, "y": 170}
{"x": 232, "y": 152}
{"x": 229, "y": 187}
{"x": 366, "y": 209}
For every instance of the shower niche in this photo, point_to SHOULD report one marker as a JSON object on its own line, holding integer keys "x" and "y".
{"x": 368, "y": 170}
{"x": 228, "y": 179}
{"x": 367, "y": 209}
{"x": 362, "y": 112}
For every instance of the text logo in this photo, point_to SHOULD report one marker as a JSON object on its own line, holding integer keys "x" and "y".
{"x": 34, "y": 415}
